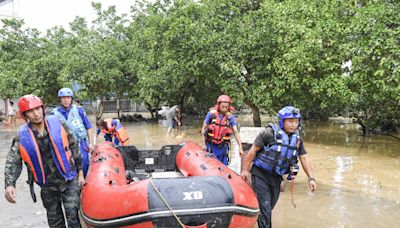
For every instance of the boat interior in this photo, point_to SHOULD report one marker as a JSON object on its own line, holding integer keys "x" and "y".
{"x": 143, "y": 164}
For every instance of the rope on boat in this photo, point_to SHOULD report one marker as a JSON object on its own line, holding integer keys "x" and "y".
{"x": 166, "y": 203}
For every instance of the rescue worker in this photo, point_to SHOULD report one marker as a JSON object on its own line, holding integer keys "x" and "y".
{"x": 112, "y": 128}
{"x": 51, "y": 154}
{"x": 77, "y": 120}
{"x": 274, "y": 153}
{"x": 218, "y": 127}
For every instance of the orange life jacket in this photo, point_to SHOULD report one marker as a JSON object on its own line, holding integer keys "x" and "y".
{"x": 219, "y": 130}
{"x": 59, "y": 147}
{"x": 114, "y": 127}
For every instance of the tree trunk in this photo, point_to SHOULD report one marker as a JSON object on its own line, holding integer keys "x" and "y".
{"x": 256, "y": 116}
{"x": 157, "y": 105}
{"x": 150, "y": 109}
{"x": 255, "y": 111}
{"x": 6, "y": 102}
{"x": 118, "y": 108}
{"x": 363, "y": 127}
{"x": 98, "y": 111}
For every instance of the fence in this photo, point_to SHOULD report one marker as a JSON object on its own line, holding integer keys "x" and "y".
{"x": 124, "y": 106}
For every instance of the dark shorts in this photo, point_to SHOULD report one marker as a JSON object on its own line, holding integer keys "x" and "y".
{"x": 171, "y": 123}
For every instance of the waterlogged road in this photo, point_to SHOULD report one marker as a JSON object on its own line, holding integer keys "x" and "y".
{"x": 358, "y": 178}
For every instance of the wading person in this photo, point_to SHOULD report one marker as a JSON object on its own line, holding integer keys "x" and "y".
{"x": 77, "y": 120}
{"x": 112, "y": 128}
{"x": 51, "y": 154}
{"x": 218, "y": 127}
{"x": 274, "y": 153}
{"x": 11, "y": 114}
{"x": 173, "y": 119}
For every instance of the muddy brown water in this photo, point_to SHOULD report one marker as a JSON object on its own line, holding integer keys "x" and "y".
{"x": 358, "y": 178}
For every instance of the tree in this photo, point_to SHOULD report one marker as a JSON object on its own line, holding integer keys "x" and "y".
{"x": 17, "y": 49}
{"x": 374, "y": 50}
{"x": 99, "y": 60}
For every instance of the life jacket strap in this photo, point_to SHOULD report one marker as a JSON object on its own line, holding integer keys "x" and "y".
{"x": 30, "y": 181}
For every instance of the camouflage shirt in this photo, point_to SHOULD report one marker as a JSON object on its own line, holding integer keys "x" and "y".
{"x": 14, "y": 160}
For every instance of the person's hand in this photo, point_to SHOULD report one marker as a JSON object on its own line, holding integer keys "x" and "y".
{"x": 11, "y": 194}
{"x": 91, "y": 148}
{"x": 81, "y": 179}
{"x": 241, "y": 153}
{"x": 179, "y": 123}
{"x": 313, "y": 184}
{"x": 282, "y": 186}
{"x": 246, "y": 176}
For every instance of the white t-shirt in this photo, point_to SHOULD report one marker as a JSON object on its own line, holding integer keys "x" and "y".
{"x": 11, "y": 111}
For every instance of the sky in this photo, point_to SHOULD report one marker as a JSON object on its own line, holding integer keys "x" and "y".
{"x": 44, "y": 14}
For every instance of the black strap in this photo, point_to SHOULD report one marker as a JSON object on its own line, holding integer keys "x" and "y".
{"x": 31, "y": 187}
{"x": 277, "y": 154}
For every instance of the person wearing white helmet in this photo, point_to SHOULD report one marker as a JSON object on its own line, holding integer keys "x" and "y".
{"x": 274, "y": 153}
{"x": 78, "y": 121}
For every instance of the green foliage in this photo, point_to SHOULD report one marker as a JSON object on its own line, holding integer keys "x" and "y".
{"x": 17, "y": 50}
{"x": 264, "y": 54}
{"x": 374, "y": 48}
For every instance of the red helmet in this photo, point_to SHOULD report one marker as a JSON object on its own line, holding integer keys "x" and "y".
{"x": 27, "y": 103}
{"x": 224, "y": 98}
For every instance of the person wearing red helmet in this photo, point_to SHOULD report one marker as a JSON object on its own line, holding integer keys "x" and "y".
{"x": 218, "y": 127}
{"x": 51, "y": 155}
{"x": 275, "y": 153}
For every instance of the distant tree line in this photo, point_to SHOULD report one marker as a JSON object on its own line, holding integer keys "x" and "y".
{"x": 263, "y": 53}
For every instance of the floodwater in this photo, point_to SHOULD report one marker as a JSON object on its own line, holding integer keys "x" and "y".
{"x": 358, "y": 178}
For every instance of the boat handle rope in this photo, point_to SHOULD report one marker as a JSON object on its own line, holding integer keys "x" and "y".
{"x": 166, "y": 203}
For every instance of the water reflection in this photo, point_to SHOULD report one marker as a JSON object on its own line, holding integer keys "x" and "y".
{"x": 343, "y": 164}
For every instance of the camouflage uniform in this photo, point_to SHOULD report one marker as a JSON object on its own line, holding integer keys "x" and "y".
{"x": 57, "y": 190}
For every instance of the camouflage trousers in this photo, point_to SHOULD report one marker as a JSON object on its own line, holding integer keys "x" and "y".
{"x": 64, "y": 194}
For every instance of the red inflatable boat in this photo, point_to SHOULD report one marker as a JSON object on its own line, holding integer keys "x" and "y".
{"x": 177, "y": 186}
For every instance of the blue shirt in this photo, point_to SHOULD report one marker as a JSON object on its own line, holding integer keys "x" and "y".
{"x": 81, "y": 112}
{"x": 209, "y": 115}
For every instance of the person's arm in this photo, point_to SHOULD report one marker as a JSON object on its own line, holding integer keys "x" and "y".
{"x": 12, "y": 171}
{"x": 239, "y": 141}
{"x": 203, "y": 132}
{"x": 90, "y": 138}
{"x": 237, "y": 135}
{"x": 245, "y": 173}
{"x": 177, "y": 120}
{"x": 204, "y": 127}
{"x": 98, "y": 130}
{"x": 74, "y": 147}
{"x": 88, "y": 127}
{"x": 305, "y": 163}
